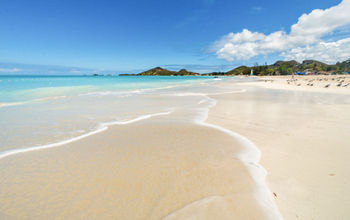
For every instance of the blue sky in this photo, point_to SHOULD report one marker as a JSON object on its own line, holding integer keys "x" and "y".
{"x": 134, "y": 35}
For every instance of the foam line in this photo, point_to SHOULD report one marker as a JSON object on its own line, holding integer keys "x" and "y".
{"x": 142, "y": 117}
{"x": 129, "y": 92}
{"x": 204, "y": 94}
{"x": 6, "y": 104}
{"x": 101, "y": 128}
{"x": 250, "y": 157}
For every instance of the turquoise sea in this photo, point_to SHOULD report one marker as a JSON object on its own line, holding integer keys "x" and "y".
{"x": 43, "y": 110}
{"x": 26, "y": 88}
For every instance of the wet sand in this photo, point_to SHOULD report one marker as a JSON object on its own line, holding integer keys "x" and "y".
{"x": 146, "y": 170}
{"x": 304, "y": 140}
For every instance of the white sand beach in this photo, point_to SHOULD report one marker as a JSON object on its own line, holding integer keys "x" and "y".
{"x": 303, "y": 137}
{"x": 175, "y": 110}
{"x": 167, "y": 167}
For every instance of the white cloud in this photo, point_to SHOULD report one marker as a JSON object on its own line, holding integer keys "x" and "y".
{"x": 9, "y": 70}
{"x": 303, "y": 42}
{"x": 320, "y": 22}
{"x": 329, "y": 52}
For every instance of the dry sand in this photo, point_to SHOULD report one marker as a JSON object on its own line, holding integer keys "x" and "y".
{"x": 305, "y": 145}
{"x": 312, "y": 83}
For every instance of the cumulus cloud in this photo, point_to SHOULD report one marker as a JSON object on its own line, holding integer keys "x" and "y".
{"x": 329, "y": 52}
{"x": 304, "y": 41}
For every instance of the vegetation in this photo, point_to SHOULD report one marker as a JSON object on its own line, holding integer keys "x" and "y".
{"x": 241, "y": 70}
{"x": 278, "y": 68}
{"x": 158, "y": 71}
{"x": 289, "y": 67}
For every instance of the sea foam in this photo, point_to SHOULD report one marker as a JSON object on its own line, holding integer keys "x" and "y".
{"x": 102, "y": 127}
{"x": 250, "y": 157}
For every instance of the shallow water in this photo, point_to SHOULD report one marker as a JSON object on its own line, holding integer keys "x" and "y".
{"x": 41, "y": 110}
{"x": 27, "y": 88}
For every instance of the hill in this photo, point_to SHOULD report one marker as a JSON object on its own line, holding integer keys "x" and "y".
{"x": 158, "y": 71}
{"x": 241, "y": 70}
{"x": 278, "y": 68}
{"x": 288, "y": 67}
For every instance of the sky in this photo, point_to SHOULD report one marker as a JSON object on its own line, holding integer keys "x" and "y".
{"x": 200, "y": 35}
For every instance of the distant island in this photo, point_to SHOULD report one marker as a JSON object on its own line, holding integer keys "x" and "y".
{"x": 278, "y": 68}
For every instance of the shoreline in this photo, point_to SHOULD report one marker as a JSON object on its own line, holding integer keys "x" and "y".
{"x": 103, "y": 126}
{"x": 303, "y": 140}
{"x": 250, "y": 111}
{"x": 78, "y": 118}
{"x": 257, "y": 173}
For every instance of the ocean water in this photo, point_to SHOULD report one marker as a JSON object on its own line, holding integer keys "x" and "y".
{"x": 44, "y": 110}
{"x": 27, "y": 88}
